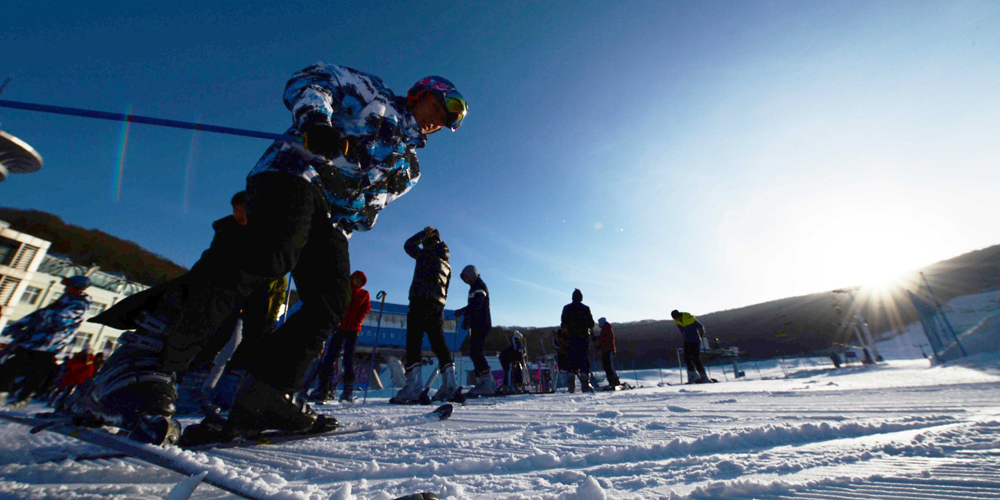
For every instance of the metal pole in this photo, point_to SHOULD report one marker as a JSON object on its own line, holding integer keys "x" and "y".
{"x": 941, "y": 312}
{"x": 454, "y": 341}
{"x": 680, "y": 369}
{"x": 147, "y": 120}
{"x": 288, "y": 297}
{"x": 378, "y": 327}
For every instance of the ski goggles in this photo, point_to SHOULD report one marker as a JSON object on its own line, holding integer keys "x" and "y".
{"x": 456, "y": 107}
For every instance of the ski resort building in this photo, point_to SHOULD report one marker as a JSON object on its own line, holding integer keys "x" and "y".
{"x": 31, "y": 278}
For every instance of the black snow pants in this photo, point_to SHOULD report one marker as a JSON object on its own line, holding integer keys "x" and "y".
{"x": 289, "y": 229}
{"x": 478, "y": 343}
{"x": 428, "y": 317}
{"x": 692, "y": 357}
{"x": 578, "y": 357}
{"x": 25, "y": 372}
{"x": 608, "y": 359}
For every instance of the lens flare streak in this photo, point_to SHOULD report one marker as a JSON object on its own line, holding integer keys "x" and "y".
{"x": 116, "y": 185}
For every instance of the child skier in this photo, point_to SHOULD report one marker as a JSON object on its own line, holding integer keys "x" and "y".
{"x": 608, "y": 351}
{"x": 476, "y": 317}
{"x": 346, "y": 338}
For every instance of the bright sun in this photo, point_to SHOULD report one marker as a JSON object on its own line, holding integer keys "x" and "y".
{"x": 858, "y": 239}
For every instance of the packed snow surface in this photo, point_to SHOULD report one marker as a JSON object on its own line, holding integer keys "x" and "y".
{"x": 795, "y": 429}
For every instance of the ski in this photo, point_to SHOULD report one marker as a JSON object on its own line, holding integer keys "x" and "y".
{"x": 277, "y": 437}
{"x": 624, "y": 386}
{"x": 167, "y": 457}
{"x": 154, "y": 455}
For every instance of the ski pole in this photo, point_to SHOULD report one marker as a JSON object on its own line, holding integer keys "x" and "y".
{"x": 147, "y": 120}
{"x": 378, "y": 326}
{"x": 659, "y": 368}
{"x": 635, "y": 374}
{"x": 680, "y": 369}
{"x": 288, "y": 298}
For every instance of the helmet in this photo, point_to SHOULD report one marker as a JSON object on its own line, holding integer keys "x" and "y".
{"x": 675, "y": 313}
{"x": 451, "y": 99}
{"x": 78, "y": 282}
{"x": 517, "y": 335}
{"x": 469, "y": 273}
{"x": 602, "y": 321}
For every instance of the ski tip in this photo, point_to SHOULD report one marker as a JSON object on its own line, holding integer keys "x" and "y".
{"x": 444, "y": 411}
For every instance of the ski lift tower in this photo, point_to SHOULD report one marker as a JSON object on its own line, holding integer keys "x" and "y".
{"x": 17, "y": 157}
{"x": 860, "y": 326}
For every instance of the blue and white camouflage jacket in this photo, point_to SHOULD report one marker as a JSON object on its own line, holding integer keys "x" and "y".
{"x": 51, "y": 328}
{"x": 381, "y": 162}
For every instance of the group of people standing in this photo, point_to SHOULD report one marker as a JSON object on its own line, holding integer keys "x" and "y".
{"x": 572, "y": 342}
{"x": 303, "y": 200}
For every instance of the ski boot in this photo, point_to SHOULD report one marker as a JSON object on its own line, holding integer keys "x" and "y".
{"x": 319, "y": 396}
{"x": 130, "y": 392}
{"x": 260, "y": 406}
{"x": 413, "y": 390}
{"x": 571, "y": 382}
{"x": 486, "y": 385}
{"x": 693, "y": 377}
{"x": 347, "y": 396}
{"x": 585, "y": 382}
{"x": 449, "y": 387}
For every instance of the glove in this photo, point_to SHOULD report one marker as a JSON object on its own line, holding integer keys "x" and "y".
{"x": 324, "y": 140}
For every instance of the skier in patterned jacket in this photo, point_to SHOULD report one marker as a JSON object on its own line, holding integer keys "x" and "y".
{"x": 39, "y": 338}
{"x": 304, "y": 201}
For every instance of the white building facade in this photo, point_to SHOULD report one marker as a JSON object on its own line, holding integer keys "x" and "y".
{"x": 31, "y": 278}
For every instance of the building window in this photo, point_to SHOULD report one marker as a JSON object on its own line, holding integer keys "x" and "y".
{"x": 83, "y": 341}
{"x": 8, "y": 249}
{"x": 96, "y": 308}
{"x": 7, "y": 286}
{"x": 24, "y": 257}
{"x": 30, "y": 295}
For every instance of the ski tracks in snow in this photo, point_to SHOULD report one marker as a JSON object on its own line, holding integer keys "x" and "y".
{"x": 673, "y": 443}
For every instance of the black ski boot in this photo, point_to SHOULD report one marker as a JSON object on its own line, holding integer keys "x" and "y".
{"x": 348, "y": 395}
{"x": 130, "y": 392}
{"x": 260, "y": 406}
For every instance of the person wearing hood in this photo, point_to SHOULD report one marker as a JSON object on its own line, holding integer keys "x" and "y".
{"x": 356, "y": 152}
{"x": 428, "y": 294}
{"x": 577, "y": 321}
{"x": 346, "y": 337}
{"x": 39, "y": 338}
{"x": 476, "y": 318}
{"x": 608, "y": 351}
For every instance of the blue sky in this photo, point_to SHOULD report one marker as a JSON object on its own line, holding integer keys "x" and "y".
{"x": 656, "y": 155}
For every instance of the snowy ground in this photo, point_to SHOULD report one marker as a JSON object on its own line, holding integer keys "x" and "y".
{"x": 904, "y": 429}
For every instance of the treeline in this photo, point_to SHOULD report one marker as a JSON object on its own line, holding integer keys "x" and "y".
{"x": 88, "y": 247}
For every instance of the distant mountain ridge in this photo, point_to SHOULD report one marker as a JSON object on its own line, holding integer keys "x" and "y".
{"x": 794, "y": 325}
{"x": 93, "y": 247}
